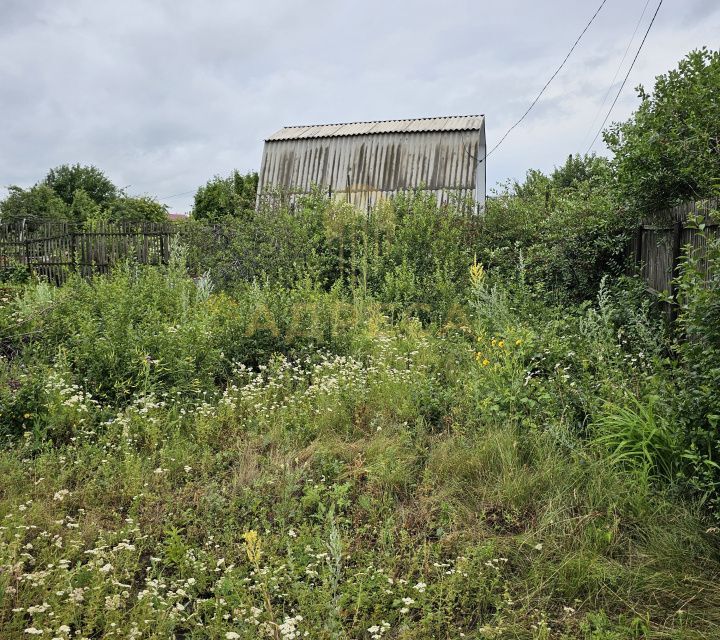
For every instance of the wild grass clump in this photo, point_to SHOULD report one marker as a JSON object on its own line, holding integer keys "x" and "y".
{"x": 294, "y": 460}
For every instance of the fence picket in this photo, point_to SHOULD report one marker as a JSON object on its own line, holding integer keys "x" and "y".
{"x": 661, "y": 239}
{"x": 52, "y": 250}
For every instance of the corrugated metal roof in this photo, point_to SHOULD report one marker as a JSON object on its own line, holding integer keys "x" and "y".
{"x": 412, "y": 125}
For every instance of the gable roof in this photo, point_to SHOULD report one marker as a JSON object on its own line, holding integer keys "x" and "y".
{"x": 411, "y": 125}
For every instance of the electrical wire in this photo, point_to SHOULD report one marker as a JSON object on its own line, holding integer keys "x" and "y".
{"x": 617, "y": 72}
{"x": 627, "y": 75}
{"x": 547, "y": 84}
{"x": 177, "y": 195}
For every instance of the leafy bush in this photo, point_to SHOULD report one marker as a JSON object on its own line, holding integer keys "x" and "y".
{"x": 567, "y": 228}
{"x": 699, "y": 376}
{"x": 148, "y": 329}
{"x": 276, "y": 246}
{"x": 667, "y": 152}
{"x": 37, "y": 203}
{"x": 409, "y": 254}
{"x": 66, "y": 180}
{"x": 139, "y": 209}
{"x": 233, "y": 196}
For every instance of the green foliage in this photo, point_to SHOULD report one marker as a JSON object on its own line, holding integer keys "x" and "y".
{"x": 39, "y": 202}
{"x": 80, "y": 194}
{"x": 669, "y": 150}
{"x": 14, "y": 273}
{"x": 409, "y": 254}
{"x": 275, "y": 245}
{"x": 639, "y": 440}
{"x": 66, "y": 179}
{"x": 84, "y": 208}
{"x": 147, "y": 329}
{"x": 414, "y": 256}
{"x": 566, "y": 228}
{"x": 222, "y": 197}
{"x": 581, "y": 169}
{"x": 698, "y": 289}
{"x": 179, "y": 460}
{"x": 136, "y": 209}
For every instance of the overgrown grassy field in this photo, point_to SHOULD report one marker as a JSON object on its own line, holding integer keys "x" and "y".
{"x": 408, "y": 423}
{"x": 296, "y": 460}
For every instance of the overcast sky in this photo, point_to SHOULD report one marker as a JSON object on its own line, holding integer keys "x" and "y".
{"x": 163, "y": 94}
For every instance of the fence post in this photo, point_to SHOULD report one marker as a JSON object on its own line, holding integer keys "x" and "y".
{"x": 73, "y": 258}
{"x": 676, "y": 246}
{"x": 27, "y": 257}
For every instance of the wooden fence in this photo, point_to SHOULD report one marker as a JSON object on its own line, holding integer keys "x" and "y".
{"x": 55, "y": 249}
{"x": 660, "y": 239}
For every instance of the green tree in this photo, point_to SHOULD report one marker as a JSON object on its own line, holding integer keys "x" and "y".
{"x": 66, "y": 179}
{"x": 578, "y": 169}
{"x": 83, "y": 207}
{"x": 33, "y": 204}
{"x": 566, "y": 225}
{"x": 669, "y": 150}
{"x": 137, "y": 209}
{"x": 230, "y": 196}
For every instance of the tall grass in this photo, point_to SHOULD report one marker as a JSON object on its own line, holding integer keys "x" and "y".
{"x": 291, "y": 460}
{"x": 638, "y": 440}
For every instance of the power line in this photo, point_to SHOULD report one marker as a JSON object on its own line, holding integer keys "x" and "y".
{"x": 547, "y": 84}
{"x": 617, "y": 71}
{"x": 177, "y": 195}
{"x": 627, "y": 75}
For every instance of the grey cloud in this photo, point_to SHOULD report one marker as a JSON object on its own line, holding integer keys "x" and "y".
{"x": 163, "y": 95}
{"x": 699, "y": 10}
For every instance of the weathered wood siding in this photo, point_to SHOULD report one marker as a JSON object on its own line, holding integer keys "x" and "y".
{"x": 662, "y": 238}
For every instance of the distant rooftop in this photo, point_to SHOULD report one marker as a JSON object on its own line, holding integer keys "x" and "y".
{"x": 411, "y": 125}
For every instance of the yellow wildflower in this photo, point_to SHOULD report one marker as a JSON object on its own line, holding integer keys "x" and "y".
{"x": 485, "y": 362}
{"x": 501, "y": 344}
{"x": 252, "y": 546}
{"x": 518, "y": 343}
{"x": 477, "y": 273}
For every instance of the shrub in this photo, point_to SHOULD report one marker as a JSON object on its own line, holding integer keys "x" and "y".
{"x": 698, "y": 406}
{"x": 220, "y": 198}
{"x": 567, "y": 227}
{"x": 667, "y": 151}
{"x": 409, "y": 254}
